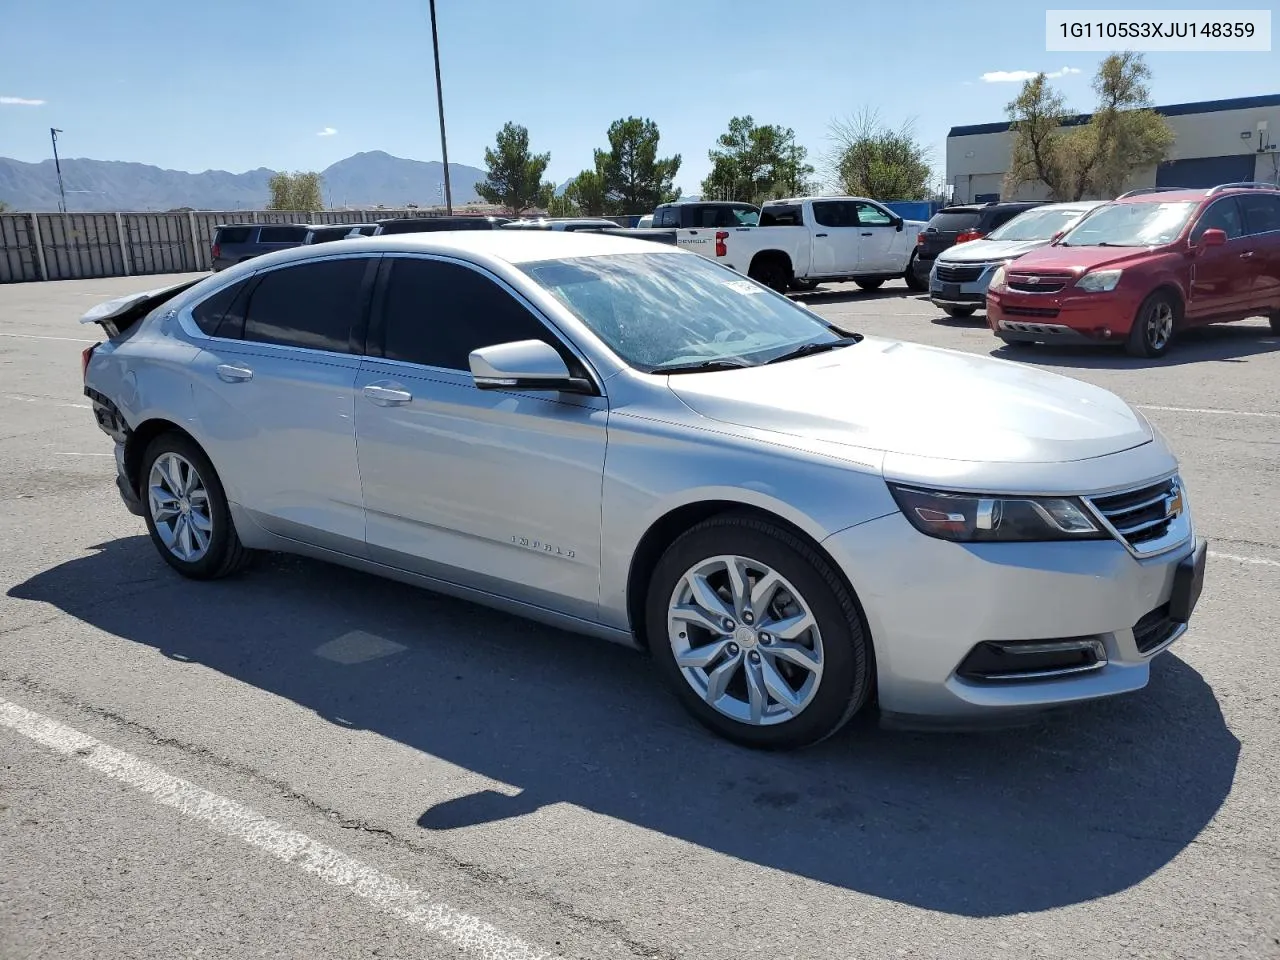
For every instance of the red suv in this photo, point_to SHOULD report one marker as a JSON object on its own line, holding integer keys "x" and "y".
{"x": 1140, "y": 269}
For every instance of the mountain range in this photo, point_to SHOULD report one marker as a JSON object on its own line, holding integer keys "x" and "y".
{"x": 360, "y": 181}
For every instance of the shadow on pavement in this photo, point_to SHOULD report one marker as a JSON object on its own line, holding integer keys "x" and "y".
{"x": 1083, "y": 805}
{"x": 848, "y": 293}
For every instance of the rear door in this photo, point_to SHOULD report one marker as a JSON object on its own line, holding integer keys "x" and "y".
{"x": 836, "y": 238}
{"x": 1221, "y": 277}
{"x": 274, "y": 393}
{"x": 881, "y": 245}
{"x": 1262, "y": 249}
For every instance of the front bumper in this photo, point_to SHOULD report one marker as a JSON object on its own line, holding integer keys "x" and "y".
{"x": 964, "y": 293}
{"x": 1083, "y": 318}
{"x": 930, "y": 603}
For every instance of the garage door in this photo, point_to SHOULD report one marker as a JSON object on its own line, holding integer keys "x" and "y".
{"x": 1205, "y": 171}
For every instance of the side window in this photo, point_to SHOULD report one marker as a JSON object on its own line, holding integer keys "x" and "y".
{"x": 1224, "y": 214}
{"x": 781, "y": 215}
{"x": 282, "y": 234}
{"x": 311, "y": 305}
{"x": 210, "y": 312}
{"x": 436, "y": 313}
{"x": 1261, "y": 213}
{"x": 835, "y": 213}
{"x": 666, "y": 217}
{"x": 869, "y": 215}
{"x": 232, "y": 235}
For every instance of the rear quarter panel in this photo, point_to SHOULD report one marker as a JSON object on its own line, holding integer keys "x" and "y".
{"x": 744, "y": 243}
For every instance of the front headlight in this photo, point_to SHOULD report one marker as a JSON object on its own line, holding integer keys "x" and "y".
{"x": 1100, "y": 281}
{"x": 997, "y": 279}
{"x": 969, "y": 517}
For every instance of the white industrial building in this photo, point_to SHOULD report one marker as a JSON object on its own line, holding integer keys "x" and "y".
{"x": 1217, "y": 141}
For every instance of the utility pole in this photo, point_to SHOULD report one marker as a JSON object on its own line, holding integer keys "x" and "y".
{"x": 57, "y": 165}
{"x": 444, "y": 147}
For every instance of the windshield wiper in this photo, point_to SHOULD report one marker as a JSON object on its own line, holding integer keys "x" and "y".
{"x": 702, "y": 366}
{"x": 807, "y": 349}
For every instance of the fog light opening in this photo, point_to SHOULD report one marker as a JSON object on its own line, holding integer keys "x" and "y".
{"x": 1006, "y": 660}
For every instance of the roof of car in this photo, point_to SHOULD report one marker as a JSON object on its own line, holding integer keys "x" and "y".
{"x": 1166, "y": 196}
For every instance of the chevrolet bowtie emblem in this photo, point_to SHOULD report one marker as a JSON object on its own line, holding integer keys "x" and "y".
{"x": 1173, "y": 505}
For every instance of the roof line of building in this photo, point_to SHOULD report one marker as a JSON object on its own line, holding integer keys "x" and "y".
{"x": 1173, "y": 110}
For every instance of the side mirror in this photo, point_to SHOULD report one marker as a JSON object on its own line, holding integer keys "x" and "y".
{"x": 897, "y": 224}
{"x": 1213, "y": 237}
{"x": 524, "y": 365}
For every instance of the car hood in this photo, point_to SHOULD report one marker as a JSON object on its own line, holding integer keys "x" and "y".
{"x": 910, "y": 399}
{"x": 1062, "y": 259}
{"x": 985, "y": 251}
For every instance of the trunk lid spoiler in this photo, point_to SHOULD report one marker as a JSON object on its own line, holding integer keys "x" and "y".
{"x": 118, "y": 315}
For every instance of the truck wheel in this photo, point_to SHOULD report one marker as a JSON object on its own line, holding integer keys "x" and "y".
{"x": 870, "y": 284}
{"x": 1154, "y": 325}
{"x": 774, "y": 272}
{"x": 918, "y": 284}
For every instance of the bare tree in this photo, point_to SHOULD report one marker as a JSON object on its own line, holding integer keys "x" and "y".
{"x": 872, "y": 159}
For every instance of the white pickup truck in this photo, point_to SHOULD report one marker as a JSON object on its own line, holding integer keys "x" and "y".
{"x": 805, "y": 241}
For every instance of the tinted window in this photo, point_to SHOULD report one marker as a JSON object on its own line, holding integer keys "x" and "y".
{"x": 666, "y": 217}
{"x": 436, "y": 313}
{"x": 282, "y": 234}
{"x": 311, "y": 305}
{"x": 1261, "y": 213}
{"x": 835, "y": 213}
{"x": 209, "y": 313}
{"x": 954, "y": 221}
{"x": 722, "y": 216}
{"x": 1222, "y": 215}
{"x": 869, "y": 215}
{"x": 782, "y": 215}
{"x": 232, "y": 234}
{"x": 328, "y": 235}
{"x": 1001, "y": 215}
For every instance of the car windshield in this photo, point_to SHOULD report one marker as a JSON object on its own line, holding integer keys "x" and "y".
{"x": 1131, "y": 225}
{"x": 659, "y": 310}
{"x": 1037, "y": 224}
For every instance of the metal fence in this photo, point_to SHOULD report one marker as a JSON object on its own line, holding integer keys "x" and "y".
{"x": 79, "y": 246}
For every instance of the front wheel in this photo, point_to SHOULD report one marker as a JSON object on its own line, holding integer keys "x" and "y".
{"x": 1154, "y": 325}
{"x": 914, "y": 281}
{"x": 870, "y": 284}
{"x": 757, "y": 635}
{"x": 959, "y": 312}
{"x": 186, "y": 510}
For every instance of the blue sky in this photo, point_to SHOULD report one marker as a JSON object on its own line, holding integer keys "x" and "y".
{"x": 298, "y": 84}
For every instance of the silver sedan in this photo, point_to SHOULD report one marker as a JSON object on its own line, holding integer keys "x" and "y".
{"x": 641, "y": 445}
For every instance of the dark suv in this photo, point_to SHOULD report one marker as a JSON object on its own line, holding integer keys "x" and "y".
{"x": 957, "y": 224}
{"x": 432, "y": 224}
{"x": 235, "y": 242}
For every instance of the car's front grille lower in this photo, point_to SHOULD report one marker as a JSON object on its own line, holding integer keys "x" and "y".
{"x": 1154, "y": 629}
{"x": 1038, "y": 283}
{"x": 959, "y": 274}
{"x": 1148, "y": 519}
{"x": 1046, "y": 313}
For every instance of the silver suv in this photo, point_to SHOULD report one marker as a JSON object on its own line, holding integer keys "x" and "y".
{"x": 639, "y": 444}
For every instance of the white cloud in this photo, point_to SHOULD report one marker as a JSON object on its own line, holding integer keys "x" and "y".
{"x": 326, "y": 132}
{"x": 21, "y": 102}
{"x": 1021, "y": 76}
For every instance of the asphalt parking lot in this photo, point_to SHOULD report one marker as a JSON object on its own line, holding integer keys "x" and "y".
{"x": 308, "y": 762}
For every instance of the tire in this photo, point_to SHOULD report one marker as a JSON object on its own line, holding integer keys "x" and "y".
{"x": 914, "y": 283}
{"x": 804, "y": 285}
{"x": 772, "y": 271}
{"x": 959, "y": 312}
{"x": 169, "y": 461}
{"x": 870, "y": 284}
{"x": 823, "y": 700}
{"x": 1275, "y": 322}
{"x": 1154, "y": 325}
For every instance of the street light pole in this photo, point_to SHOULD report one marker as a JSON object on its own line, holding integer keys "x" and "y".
{"x": 53, "y": 136}
{"x": 444, "y": 147}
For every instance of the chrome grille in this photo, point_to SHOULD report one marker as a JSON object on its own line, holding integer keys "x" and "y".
{"x": 1038, "y": 282}
{"x": 949, "y": 273}
{"x": 1149, "y": 519}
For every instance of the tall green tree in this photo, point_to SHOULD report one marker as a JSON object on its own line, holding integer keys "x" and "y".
{"x": 756, "y": 163}
{"x": 562, "y": 206}
{"x": 295, "y": 191}
{"x": 1097, "y": 158}
{"x": 588, "y": 193}
{"x": 872, "y": 159}
{"x": 635, "y": 179}
{"x": 514, "y": 179}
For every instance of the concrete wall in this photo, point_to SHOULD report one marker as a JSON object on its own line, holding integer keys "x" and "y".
{"x": 976, "y": 163}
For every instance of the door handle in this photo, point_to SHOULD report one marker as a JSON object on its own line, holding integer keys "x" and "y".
{"x": 867, "y": 234}
{"x": 819, "y": 234}
{"x": 1246, "y": 255}
{"x": 387, "y": 396}
{"x": 233, "y": 374}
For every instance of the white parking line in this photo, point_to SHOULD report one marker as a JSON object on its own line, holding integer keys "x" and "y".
{"x": 33, "y": 336}
{"x": 1235, "y": 558}
{"x": 76, "y": 453}
{"x": 475, "y": 936}
{"x": 1227, "y": 413}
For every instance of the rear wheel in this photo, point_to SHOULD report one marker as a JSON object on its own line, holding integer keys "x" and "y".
{"x": 773, "y": 271}
{"x": 804, "y": 285}
{"x": 870, "y": 284}
{"x": 756, "y": 634}
{"x": 959, "y": 312}
{"x": 1154, "y": 325}
{"x": 914, "y": 282}
{"x": 186, "y": 510}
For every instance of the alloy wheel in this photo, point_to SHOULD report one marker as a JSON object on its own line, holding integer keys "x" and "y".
{"x": 1159, "y": 325}
{"x": 745, "y": 640}
{"x": 179, "y": 505}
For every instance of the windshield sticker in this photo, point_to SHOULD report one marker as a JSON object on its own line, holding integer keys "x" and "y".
{"x": 749, "y": 287}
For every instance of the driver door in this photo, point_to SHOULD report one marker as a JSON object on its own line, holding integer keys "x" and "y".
{"x": 877, "y": 231}
{"x": 490, "y": 489}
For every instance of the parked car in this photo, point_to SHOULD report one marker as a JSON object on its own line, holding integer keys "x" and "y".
{"x": 237, "y": 242}
{"x": 327, "y": 233}
{"x": 435, "y": 224}
{"x": 805, "y": 241}
{"x": 1142, "y": 269}
{"x": 639, "y": 444}
{"x": 703, "y": 214}
{"x": 569, "y": 224}
{"x": 961, "y": 223}
{"x": 645, "y": 222}
{"x": 960, "y": 275}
